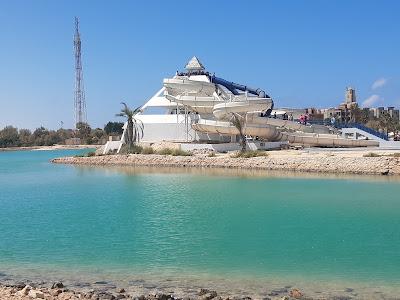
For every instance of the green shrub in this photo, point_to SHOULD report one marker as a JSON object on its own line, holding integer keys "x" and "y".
{"x": 179, "y": 152}
{"x": 147, "y": 150}
{"x": 250, "y": 153}
{"x": 174, "y": 152}
{"x": 211, "y": 154}
{"x": 136, "y": 149}
{"x": 88, "y": 154}
{"x": 165, "y": 151}
{"x": 371, "y": 154}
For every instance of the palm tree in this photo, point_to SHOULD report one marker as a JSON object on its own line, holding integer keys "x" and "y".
{"x": 135, "y": 126}
{"x": 239, "y": 121}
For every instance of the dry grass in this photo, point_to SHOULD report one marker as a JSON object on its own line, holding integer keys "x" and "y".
{"x": 147, "y": 150}
{"x": 174, "y": 152}
{"x": 371, "y": 154}
{"x": 250, "y": 153}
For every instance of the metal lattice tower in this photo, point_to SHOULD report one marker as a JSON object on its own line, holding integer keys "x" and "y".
{"x": 79, "y": 98}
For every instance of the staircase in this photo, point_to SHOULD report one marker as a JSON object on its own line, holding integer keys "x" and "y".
{"x": 359, "y": 129}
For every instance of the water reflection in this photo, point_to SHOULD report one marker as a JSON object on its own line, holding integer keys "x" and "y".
{"x": 231, "y": 172}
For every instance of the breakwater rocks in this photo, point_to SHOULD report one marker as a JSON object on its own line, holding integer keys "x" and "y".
{"x": 357, "y": 162}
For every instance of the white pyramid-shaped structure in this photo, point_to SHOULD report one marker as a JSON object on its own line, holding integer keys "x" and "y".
{"x": 194, "y": 65}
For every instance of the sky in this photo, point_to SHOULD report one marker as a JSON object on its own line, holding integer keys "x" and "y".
{"x": 303, "y": 53}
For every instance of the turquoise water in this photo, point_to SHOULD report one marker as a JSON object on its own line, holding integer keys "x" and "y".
{"x": 164, "y": 222}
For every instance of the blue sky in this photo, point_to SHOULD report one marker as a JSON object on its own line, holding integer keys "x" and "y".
{"x": 303, "y": 53}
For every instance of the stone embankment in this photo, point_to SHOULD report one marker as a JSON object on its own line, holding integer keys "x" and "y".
{"x": 285, "y": 160}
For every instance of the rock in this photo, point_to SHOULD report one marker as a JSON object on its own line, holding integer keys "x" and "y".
{"x": 121, "y": 290}
{"x": 55, "y": 292}
{"x": 66, "y": 296}
{"x": 206, "y": 291}
{"x": 24, "y": 291}
{"x": 57, "y": 285}
{"x": 162, "y": 296}
{"x": 105, "y": 296}
{"x": 36, "y": 294}
{"x": 209, "y": 296}
{"x": 81, "y": 284}
{"x": 295, "y": 293}
{"x": 340, "y": 298}
{"x": 282, "y": 290}
{"x": 120, "y": 296}
{"x": 19, "y": 285}
{"x": 349, "y": 290}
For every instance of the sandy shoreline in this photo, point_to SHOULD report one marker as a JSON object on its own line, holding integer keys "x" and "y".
{"x": 170, "y": 290}
{"x": 313, "y": 160}
{"x": 55, "y": 147}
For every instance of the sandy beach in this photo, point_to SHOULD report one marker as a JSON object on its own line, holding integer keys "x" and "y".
{"x": 47, "y": 148}
{"x": 365, "y": 161}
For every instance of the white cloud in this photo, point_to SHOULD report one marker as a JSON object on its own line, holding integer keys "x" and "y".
{"x": 371, "y": 100}
{"x": 379, "y": 83}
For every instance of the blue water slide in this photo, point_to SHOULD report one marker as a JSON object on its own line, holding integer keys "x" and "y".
{"x": 233, "y": 87}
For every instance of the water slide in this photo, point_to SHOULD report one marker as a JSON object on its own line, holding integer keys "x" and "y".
{"x": 207, "y": 98}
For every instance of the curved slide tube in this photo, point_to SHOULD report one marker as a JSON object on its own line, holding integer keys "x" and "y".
{"x": 272, "y": 134}
{"x": 235, "y": 86}
{"x": 200, "y": 96}
{"x": 176, "y": 86}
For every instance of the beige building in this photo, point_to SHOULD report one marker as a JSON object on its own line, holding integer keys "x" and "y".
{"x": 391, "y": 111}
{"x": 350, "y": 96}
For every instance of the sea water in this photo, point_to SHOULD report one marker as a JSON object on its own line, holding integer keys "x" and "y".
{"x": 165, "y": 223}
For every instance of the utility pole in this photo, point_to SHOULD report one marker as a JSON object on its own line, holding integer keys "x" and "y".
{"x": 79, "y": 97}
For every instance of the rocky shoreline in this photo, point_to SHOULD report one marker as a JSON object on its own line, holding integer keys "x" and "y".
{"x": 104, "y": 290}
{"x": 356, "y": 162}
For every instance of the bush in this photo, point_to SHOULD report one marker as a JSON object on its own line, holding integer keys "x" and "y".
{"x": 174, "y": 152}
{"x": 147, "y": 150}
{"x": 136, "y": 149}
{"x": 88, "y": 154}
{"x": 371, "y": 154}
{"x": 179, "y": 152}
{"x": 165, "y": 151}
{"x": 211, "y": 154}
{"x": 250, "y": 153}
{"x": 397, "y": 154}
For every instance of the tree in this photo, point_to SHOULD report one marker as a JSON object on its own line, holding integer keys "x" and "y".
{"x": 25, "y": 137}
{"x": 239, "y": 121}
{"x": 134, "y": 131}
{"x": 114, "y": 128}
{"x": 9, "y": 137}
{"x": 97, "y": 135}
{"x": 387, "y": 123}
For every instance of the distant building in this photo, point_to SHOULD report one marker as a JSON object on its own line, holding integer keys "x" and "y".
{"x": 344, "y": 112}
{"x": 381, "y": 111}
{"x": 315, "y": 114}
{"x": 350, "y": 95}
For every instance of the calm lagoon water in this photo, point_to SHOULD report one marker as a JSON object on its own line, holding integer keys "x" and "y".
{"x": 163, "y": 223}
